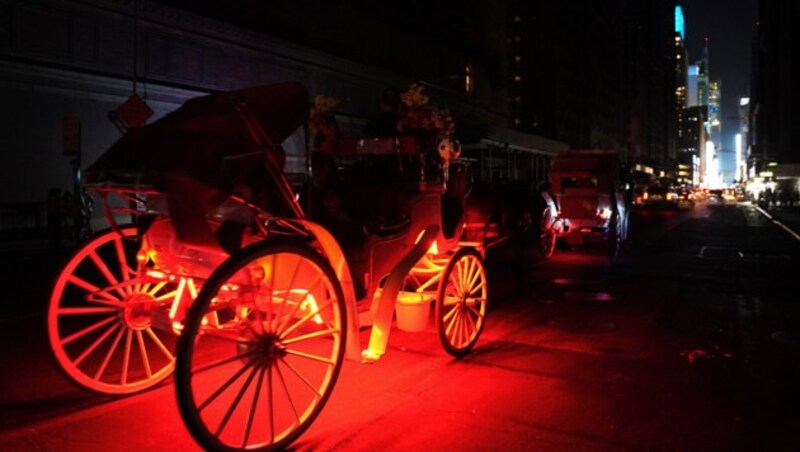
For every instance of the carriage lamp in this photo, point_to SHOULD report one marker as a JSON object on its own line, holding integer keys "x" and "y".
{"x": 143, "y": 256}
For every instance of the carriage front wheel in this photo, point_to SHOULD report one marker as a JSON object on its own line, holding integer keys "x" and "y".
{"x": 262, "y": 348}
{"x": 461, "y": 302}
{"x": 547, "y": 235}
{"x": 614, "y": 236}
{"x": 102, "y": 318}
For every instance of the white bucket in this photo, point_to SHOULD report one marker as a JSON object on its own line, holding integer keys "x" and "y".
{"x": 412, "y": 310}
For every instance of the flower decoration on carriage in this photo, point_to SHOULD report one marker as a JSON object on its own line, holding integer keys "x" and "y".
{"x": 322, "y": 126}
{"x": 421, "y": 118}
{"x": 433, "y": 126}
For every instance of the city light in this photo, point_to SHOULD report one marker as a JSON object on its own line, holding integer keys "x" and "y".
{"x": 712, "y": 176}
{"x": 679, "y": 23}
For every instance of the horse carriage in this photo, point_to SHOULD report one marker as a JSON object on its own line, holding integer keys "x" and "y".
{"x": 221, "y": 277}
{"x": 586, "y": 201}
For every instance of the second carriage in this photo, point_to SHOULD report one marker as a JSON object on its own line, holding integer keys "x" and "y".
{"x": 586, "y": 200}
{"x": 222, "y": 278}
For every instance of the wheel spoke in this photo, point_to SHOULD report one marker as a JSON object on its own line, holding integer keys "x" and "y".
{"x": 472, "y": 274}
{"x": 452, "y": 321}
{"x": 165, "y": 296}
{"x": 92, "y": 298}
{"x": 126, "y": 358}
{"x": 477, "y": 288}
{"x": 225, "y": 385}
{"x": 305, "y": 318}
{"x": 248, "y": 425}
{"x": 281, "y": 328}
{"x": 456, "y": 286}
{"x": 143, "y": 351}
{"x": 159, "y": 344}
{"x": 290, "y": 287}
{"x": 451, "y": 312}
{"x": 475, "y": 311}
{"x": 222, "y": 362}
{"x": 123, "y": 261}
{"x": 301, "y": 377}
{"x": 305, "y": 337}
{"x": 458, "y": 329}
{"x": 87, "y": 330}
{"x": 80, "y": 311}
{"x": 462, "y": 273}
{"x": 471, "y": 325}
{"x": 288, "y": 394}
{"x": 236, "y": 401}
{"x": 321, "y": 359}
{"x": 106, "y": 272}
{"x": 107, "y": 358}
{"x": 154, "y": 290}
{"x": 471, "y": 282}
{"x": 272, "y": 271}
{"x": 271, "y": 397}
{"x": 91, "y": 288}
{"x": 95, "y": 344}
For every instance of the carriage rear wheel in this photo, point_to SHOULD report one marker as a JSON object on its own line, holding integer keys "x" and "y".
{"x": 262, "y": 348}
{"x": 547, "y": 235}
{"x": 101, "y": 318}
{"x": 461, "y": 302}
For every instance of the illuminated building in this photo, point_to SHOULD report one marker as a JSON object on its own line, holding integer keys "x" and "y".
{"x": 743, "y": 150}
{"x": 683, "y": 170}
{"x": 691, "y": 145}
{"x": 691, "y": 85}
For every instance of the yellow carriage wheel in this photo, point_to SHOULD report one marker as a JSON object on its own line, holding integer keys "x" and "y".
{"x": 461, "y": 302}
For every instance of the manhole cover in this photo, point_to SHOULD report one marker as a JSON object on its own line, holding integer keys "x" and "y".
{"x": 590, "y": 296}
{"x": 787, "y": 337}
{"x": 582, "y": 325}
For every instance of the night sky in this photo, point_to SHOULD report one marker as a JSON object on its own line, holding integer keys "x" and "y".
{"x": 729, "y": 26}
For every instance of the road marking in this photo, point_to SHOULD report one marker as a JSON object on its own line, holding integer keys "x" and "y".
{"x": 774, "y": 220}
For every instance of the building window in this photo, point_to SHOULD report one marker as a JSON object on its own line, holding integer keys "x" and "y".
{"x": 469, "y": 79}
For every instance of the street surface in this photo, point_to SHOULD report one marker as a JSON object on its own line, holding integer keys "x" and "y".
{"x": 690, "y": 342}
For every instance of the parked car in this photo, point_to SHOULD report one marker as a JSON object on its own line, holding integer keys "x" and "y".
{"x": 659, "y": 197}
{"x": 686, "y": 198}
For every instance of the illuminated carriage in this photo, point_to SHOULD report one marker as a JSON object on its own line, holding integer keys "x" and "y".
{"x": 221, "y": 263}
{"x": 586, "y": 202}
